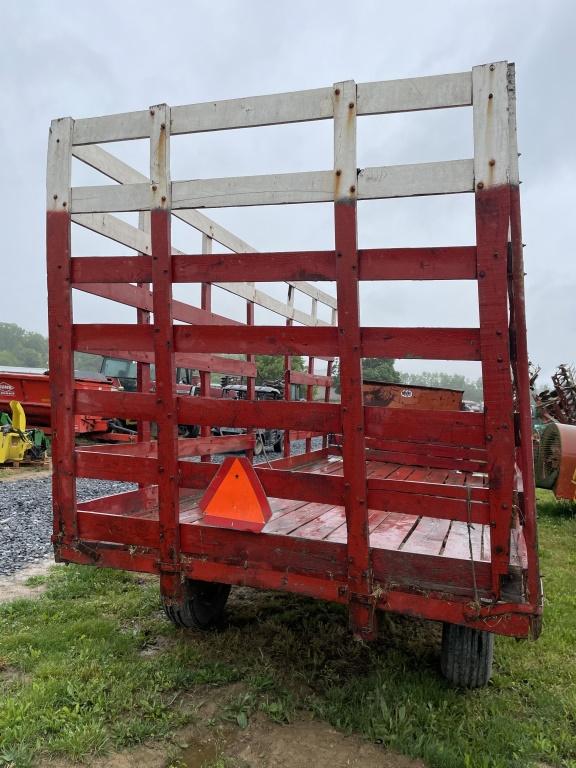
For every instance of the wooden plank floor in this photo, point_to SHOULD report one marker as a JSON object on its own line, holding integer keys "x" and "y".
{"x": 388, "y": 530}
{"x": 415, "y": 535}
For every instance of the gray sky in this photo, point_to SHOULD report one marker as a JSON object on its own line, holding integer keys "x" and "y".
{"x": 84, "y": 59}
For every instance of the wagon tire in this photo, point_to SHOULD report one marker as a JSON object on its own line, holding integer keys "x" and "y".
{"x": 202, "y": 605}
{"x": 467, "y": 656}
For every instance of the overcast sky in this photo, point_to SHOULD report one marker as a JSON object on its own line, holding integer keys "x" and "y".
{"x": 84, "y": 59}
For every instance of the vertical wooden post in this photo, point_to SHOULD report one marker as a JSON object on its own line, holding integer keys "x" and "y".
{"x": 492, "y": 174}
{"x": 287, "y": 372}
{"x": 355, "y": 496}
{"x": 58, "y": 254}
{"x": 522, "y": 376}
{"x": 310, "y": 387}
{"x": 250, "y": 380}
{"x": 166, "y": 404}
{"x": 143, "y": 318}
{"x": 206, "y": 376}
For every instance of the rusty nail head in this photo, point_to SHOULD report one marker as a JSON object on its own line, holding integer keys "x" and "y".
{"x": 490, "y": 95}
{"x": 499, "y": 358}
{"x": 492, "y": 67}
{"x": 163, "y": 126}
{"x": 492, "y": 162}
{"x": 480, "y": 185}
{"x": 352, "y": 188}
{"x": 489, "y": 438}
{"x": 163, "y": 198}
{"x": 64, "y": 204}
{"x": 351, "y": 105}
{"x": 496, "y": 254}
{"x": 337, "y": 91}
{"x": 152, "y": 112}
{"x": 482, "y": 273}
{"x": 154, "y": 187}
{"x": 55, "y": 197}
{"x": 338, "y": 172}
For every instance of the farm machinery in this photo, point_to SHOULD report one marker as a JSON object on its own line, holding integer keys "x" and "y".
{"x": 555, "y": 433}
{"x": 17, "y": 443}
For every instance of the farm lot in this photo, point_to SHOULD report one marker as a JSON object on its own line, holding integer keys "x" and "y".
{"x": 90, "y": 671}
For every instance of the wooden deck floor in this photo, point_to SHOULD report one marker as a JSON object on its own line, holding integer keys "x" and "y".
{"x": 388, "y": 530}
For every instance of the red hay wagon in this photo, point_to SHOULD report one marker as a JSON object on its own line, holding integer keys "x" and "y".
{"x": 428, "y": 513}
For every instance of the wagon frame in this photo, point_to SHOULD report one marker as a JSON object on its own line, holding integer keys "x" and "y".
{"x": 431, "y": 513}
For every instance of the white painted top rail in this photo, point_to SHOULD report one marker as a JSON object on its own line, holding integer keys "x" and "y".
{"x": 384, "y": 97}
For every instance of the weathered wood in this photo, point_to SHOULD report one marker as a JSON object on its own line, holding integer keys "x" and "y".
{"x": 119, "y": 127}
{"x": 415, "y": 93}
{"x": 442, "y": 178}
{"x": 491, "y": 128}
{"x": 59, "y": 167}
{"x": 298, "y": 106}
{"x": 103, "y": 199}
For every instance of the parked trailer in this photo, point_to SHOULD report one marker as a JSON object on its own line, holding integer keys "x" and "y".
{"x": 425, "y": 513}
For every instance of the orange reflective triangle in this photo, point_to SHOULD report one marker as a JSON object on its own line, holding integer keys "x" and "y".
{"x": 235, "y": 497}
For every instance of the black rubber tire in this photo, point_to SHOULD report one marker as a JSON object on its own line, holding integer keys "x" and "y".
{"x": 202, "y": 606}
{"x": 278, "y": 445}
{"x": 467, "y": 656}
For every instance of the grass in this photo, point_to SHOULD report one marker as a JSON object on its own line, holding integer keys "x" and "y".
{"x": 98, "y": 668}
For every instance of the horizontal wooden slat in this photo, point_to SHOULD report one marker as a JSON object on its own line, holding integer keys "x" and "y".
{"x": 415, "y": 93}
{"x": 443, "y": 178}
{"x": 447, "y": 427}
{"x": 123, "y": 405}
{"x": 310, "y": 379}
{"x": 209, "y": 363}
{"x": 131, "y": 469}
{"x": 260, "y": 340}
{"x": 111, "y": 197}
{"x": 429, "y": 449}
{"x": 425, "y": 343}
{"x": 251, "y": 267}
{"x": 478, "y": 494}
{"x": 271, "y": 189}
{"x": 449, "y": 263}
{"x": 119, "y": 127}
{"x": 399, "y": 343}
{"x": 248, "y": 112}
{"x": 436, "y": 507}
{"x": 279, "y": 414}
{"x": 196, "y": 446}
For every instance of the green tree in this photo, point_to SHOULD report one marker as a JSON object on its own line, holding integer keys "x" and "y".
{"x": 270, "y": 368}
{"x": 22, "y": 348}
{"x": 373, "y": 368}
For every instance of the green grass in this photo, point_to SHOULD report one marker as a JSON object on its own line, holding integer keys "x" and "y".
{"x": 83, "y": 683}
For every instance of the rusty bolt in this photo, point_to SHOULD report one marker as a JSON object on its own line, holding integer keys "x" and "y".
{"x": 55, "y": 197}
{"x": 351, "y": 105}
{"x": 163, "y": 126}
{"x": 339, "y": 255}
{"x": 482, "y": 273}
{"x": 352, "y": 188}
{"x": 489, "y": 438}
{"x": 152, "y": 112}
{"x": 163, "y": 198}
{"x": 64, "y": 204}
{"x": 492, "y": 67}
{"x": 337, "y": 91}
{"x": 480, "y": 185}
{"x": 154, "y": 187}
{"x": 490, "y": 95}
{"x": 57, "y": 141}
{"x": 338, "y": 172}
{"x": 492, "y": 162}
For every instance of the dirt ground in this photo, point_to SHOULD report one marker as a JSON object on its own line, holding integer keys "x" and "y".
{"x": 14, "y": 586}
{"x": 302, "y": 744}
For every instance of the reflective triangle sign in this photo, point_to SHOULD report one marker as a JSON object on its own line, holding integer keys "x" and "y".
{"x": 235, "y": 497}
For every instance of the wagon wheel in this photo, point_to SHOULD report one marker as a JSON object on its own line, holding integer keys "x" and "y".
{"x": 201, "y": 607}
{"x": 467, "y": 655}
{"x": 258, "y": 446}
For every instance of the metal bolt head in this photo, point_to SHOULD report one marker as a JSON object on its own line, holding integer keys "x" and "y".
{"x": 492, "y": 67}
{"x": 163, "y": 198}
{"x": 480, "y": 185}
{"x": 337, "y": 91}
{"x": 154, "y": 187}
{"x": 351, "y": 105}
{"x": 352, "y": 188}
{"x": 338, "y": 172}
{"x": 492, "y": 162}
{"x": 490, "y": 95}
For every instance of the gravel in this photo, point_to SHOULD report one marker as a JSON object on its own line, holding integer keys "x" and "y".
{"x": 26, "y": 517}
{"x": 26, "y": 512}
